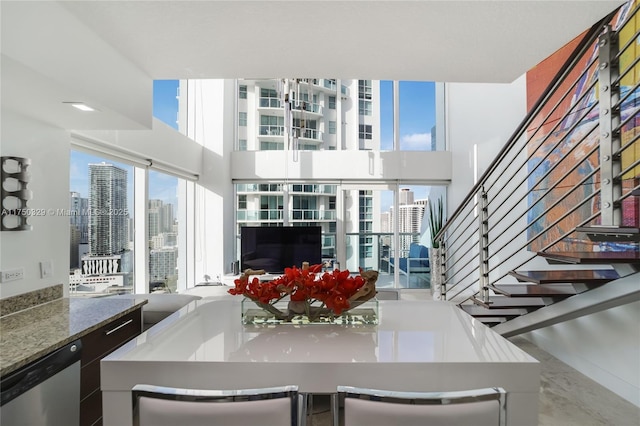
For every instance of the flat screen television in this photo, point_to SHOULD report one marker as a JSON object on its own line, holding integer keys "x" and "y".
{"x": 275, "y": 248}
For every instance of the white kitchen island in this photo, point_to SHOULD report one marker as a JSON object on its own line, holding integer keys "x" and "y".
{"x": 417, "y": 346}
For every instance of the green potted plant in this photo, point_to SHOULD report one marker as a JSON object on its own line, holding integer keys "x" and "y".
{"x": 436, "y": 222}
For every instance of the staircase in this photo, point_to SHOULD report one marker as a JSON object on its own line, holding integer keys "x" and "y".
{"x": 563, "y": 288}
{"x": 551, "y": 230}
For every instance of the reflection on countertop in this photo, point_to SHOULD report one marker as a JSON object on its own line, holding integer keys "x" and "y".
{"x": 409, "y": 331}
{"x": 302, "y": 343}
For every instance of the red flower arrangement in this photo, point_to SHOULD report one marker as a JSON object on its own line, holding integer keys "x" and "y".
{"x": 336, "y": 292}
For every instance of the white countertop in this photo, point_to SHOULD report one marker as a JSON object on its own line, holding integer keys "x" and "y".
{"x": 409, "y": 331}
{"x": 418, "y": 345}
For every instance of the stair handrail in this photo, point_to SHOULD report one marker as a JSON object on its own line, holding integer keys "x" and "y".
{"x": 565, "y": 122}
{"x": 583, "y": 45}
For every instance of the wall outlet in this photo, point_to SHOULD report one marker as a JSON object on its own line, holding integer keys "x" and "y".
{"x": 46, "y": 269}
{"x": 12, "y": 275}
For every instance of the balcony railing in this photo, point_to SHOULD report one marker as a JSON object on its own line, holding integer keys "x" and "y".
{"x": 259, "y": 215}
{"x": 329, "y": 84}
{"x": 375, "y": 250}
{"x": 305, "y": 106}
{"x": 314, "y": 189}
{"x": 270, "y": 103}
{"x": 308, "y": 133}
{"x": 271, "y": 130}
{"x": 312, "y": 214}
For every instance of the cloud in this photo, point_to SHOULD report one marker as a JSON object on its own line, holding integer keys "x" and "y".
{"x": 416, "y": 142}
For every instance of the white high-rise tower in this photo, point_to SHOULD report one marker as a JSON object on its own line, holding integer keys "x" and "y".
{"x": 107, "y": 209}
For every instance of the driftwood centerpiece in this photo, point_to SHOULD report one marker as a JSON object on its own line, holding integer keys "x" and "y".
{"x": 310, "y": 292}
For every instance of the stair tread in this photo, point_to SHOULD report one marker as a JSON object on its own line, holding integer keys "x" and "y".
{"x": 475, "y": 310}
{"x": 604, "y": 229}
{"x": 510, "y": 302}
{"x": 585, "y": 276}
{"x": 492, "y": 320}
{"x": 592, "y": 257}
{"x": 529, "y": 290}
{"x": 610, "y": 233}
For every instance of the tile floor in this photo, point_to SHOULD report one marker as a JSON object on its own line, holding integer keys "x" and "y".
{"x": 567, "y": 397}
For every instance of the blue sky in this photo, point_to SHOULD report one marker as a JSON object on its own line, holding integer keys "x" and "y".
{"x": 417, "y": 117}
{"x": 417, "y": 114}
{"x": 165, "y": 104}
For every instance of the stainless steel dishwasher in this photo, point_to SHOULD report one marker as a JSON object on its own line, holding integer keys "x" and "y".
{"x": 45, "y": 392}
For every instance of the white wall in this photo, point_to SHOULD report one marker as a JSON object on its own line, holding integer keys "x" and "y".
{"x": 424, "y": 166}
{"x": 48, "y": 149}
{"x": 479, "y": 114}
{"x": 604, "y": 346}
{"x": 212, "y": 126}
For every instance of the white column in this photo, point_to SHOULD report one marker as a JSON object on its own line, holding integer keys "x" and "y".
{"x": 396, "y": 115}
{"x": 186, "y": 235}
{"x": 141, "y": 230}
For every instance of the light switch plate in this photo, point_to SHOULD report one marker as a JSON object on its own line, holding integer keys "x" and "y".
{"x": 46, "y": 269}
{"x": 12, "y": 275}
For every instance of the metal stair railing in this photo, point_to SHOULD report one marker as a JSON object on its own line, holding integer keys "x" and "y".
{"x": 570, "y": 163}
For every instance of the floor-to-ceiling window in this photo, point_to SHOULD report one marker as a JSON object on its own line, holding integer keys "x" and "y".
{"x": 417, "y": 118}
{"x": 107, "y": 186}
{"x": 368, "y": 227}
{"x": 101, "y": 217}
{"x": 306, "y": 205}
{"x": 163, "y": 230}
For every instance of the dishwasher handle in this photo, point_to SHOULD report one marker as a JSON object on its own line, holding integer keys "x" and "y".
{"x": 31, "y": 375}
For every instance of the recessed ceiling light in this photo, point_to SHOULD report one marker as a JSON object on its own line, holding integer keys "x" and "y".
{"x": 81, "y": 106}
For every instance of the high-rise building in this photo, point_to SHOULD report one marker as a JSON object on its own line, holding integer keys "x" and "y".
{"x": 161, "y": 224}
{"x": 325, "y": 114}
{"x": 168, "y": 218}
{"x": 163, "y": 266}
{"x": 79, "y": 226}
{"x": 109, "y": 256}
{"x": 154, "y": 213}
{"x": 78, "y": 216}
{"x": 410, "y": 216}
{"x": 108, "y": 212}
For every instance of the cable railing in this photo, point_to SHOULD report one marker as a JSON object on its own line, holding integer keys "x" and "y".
{"x": 572, "y": 162}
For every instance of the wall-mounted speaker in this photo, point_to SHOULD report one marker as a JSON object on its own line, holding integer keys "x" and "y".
{"x": 14, "y": 194}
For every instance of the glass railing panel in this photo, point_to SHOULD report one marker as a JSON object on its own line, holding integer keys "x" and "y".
{"x": 329, "y": 84}
{"x": 271, "y": 130}
{"x": 375, "y": 251}
{"x": 270, "y": 103}
{"x": 307, "y": 107}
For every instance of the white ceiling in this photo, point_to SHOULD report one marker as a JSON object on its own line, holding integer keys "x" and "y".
{"x": 90, "y": 50}
{"x": 412, "y": 40}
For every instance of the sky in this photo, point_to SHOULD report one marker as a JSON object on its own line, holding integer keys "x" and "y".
{"x": 417, "y": 114}
{"x": 165, "y": 103}
{"x": 417, "y": 117}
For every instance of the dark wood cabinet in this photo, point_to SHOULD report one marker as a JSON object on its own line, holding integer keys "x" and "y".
{"x": 95, "y": 346}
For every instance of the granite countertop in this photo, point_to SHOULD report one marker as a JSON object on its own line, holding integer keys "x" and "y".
{"x": 34, "y": 332}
